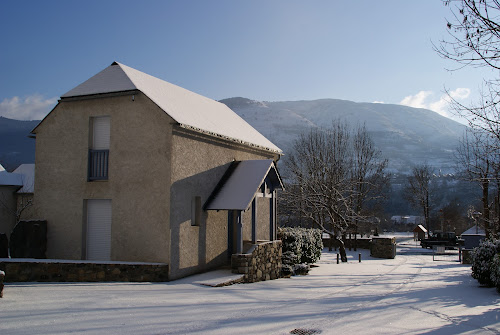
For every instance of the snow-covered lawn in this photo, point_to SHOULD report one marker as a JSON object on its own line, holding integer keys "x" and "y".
{"x": 408, "y": 295}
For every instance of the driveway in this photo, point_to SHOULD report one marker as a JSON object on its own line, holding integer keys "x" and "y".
{"x": 411, "y": 294}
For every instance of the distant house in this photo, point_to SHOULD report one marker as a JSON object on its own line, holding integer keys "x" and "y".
{"x": 16, "y": 196}
{"x": 419, "y": 233}
{"x": 473, "y": 236}
{"x": 132, "y": 168}
{"x": 407, "y": 219}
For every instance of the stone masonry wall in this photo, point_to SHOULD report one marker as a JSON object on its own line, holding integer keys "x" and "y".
{"x": 383, "y": 247}
{"x": 262, "y": 262}
{"x": 59, "y": 271}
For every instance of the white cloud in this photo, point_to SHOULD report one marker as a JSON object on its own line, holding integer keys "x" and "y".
{"x": 424, "y": 99}
{"x": 378, "y": 102}
{"x": 417, "y": 100}
{"x": 460, "y": 93}
{"x": 33, "y": 107}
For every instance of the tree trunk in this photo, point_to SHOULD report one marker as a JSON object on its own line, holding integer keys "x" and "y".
{"x": 426, "y": 214}
{"x": 343, "y": 255}
{"x": 341, "y": 246}
{"x": 486, "y": 208}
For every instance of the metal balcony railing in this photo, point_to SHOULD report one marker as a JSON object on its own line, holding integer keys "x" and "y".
{"x": 98, "y": 164}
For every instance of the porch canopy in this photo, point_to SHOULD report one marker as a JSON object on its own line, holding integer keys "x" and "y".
{"x": 241, "y": 183}
{"x": 237, "y": 190}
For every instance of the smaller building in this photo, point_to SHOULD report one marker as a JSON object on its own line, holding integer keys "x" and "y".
{"x": 419, "y": 233}
{"x": 16, "y": 196}
{"x": 473, "y": 236}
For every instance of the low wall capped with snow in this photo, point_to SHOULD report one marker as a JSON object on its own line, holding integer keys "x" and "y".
{"x": 24, "y": 270}
{"x": 383, "y": 247}
{"x": 262, "y": 262}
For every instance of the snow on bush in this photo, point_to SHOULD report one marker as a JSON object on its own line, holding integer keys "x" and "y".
{"x": 495, "y": 271}
{"x": 301, "y": 269}
{"x": 482, "y": 262}
{"x": 301, "y": 247}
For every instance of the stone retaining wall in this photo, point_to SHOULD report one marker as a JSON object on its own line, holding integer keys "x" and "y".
{"x": 383, "y": 247}
{"x": 84, "y": 271}
{"x": 466, "y": 256}
{"x": 262, "y": 262}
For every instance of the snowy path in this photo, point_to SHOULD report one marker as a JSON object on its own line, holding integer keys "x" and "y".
{"x": 408, "y": 295}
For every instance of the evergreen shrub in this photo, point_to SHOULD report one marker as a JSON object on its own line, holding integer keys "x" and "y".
{"x": 301, "y": 247}
{"x": 483, "y": 259}
{"x": 495, "y": 271}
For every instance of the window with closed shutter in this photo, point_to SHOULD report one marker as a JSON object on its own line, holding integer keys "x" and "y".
{"x": 98, "y": 229}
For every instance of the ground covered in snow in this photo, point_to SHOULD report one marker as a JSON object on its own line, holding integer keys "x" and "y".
{"x": 411, "y": 294}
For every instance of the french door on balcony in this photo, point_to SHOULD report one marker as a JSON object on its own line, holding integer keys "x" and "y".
{"x": 99, "y": 148}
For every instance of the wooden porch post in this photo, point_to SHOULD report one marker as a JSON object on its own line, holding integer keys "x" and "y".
{"x": 254, "y": 220}
{"x": 272, "y": 216}
{"x": 239, "y": 233}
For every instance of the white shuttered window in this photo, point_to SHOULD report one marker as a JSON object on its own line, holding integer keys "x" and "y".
{"x": 100, "y": 133}
{"x": 99, "y": 229}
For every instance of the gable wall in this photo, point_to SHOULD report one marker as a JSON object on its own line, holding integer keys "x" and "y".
{"x": 139, "y": 177}
{"x": 198, "y": 163}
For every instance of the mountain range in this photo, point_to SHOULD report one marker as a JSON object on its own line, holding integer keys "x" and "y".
{"x": 405, "y": 135}
{"x": 15, "y": 146}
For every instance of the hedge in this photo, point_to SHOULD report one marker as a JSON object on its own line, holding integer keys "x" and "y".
{"x": 486, "y": 262}
{"x": 301, "y": 247}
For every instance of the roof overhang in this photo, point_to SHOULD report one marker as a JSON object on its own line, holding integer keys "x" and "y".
{"x": 240, "y": 184}
{"x": 11, "y": 179}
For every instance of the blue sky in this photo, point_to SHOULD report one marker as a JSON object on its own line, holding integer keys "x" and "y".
{"x": 363, "y": 51}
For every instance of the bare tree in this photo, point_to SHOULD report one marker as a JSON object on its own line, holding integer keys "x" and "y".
{"x": 417, "y": 190}
{"x": 474, "y": 33}
{"x": 478, "y": 160}
{"x": 474, "y": 40}
{"x": 331, "y": 174}
{"x": 368, "y": 173}
{"x": 17, "y": 202}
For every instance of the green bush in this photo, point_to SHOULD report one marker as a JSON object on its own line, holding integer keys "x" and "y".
{"x": 495, "y": 271}
{"x": 482, "y": 261}
{"x": 312, "y": 244}
{"x": 301, "y": 247}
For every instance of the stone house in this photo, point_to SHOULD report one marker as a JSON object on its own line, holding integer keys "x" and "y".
{"x": 132, "y": 168}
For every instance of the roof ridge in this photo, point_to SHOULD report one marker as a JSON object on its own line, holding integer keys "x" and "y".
{"x": 186, "y": 107}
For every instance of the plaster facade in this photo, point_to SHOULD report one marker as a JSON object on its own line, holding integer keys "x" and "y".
{"x": 139, "y": 172}
{"x": 198, "y": 163}
{"x": 155, "y": 169}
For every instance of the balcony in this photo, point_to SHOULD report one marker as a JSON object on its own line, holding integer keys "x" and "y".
{"x": 98, "y": 165}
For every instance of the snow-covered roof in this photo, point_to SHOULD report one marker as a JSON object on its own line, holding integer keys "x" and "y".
{"x": 241, "y": 183}
{"x": 189, "y": 109}
{"x": 27, "y": 171}
{"x": 11, "y": 179}
{"x": 23, "y": 177}
{"x": 420, "y": 228}
{"x": 474, "y": 231}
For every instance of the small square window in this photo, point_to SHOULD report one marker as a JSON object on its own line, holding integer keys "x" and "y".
{"x": 196, "y": 211}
